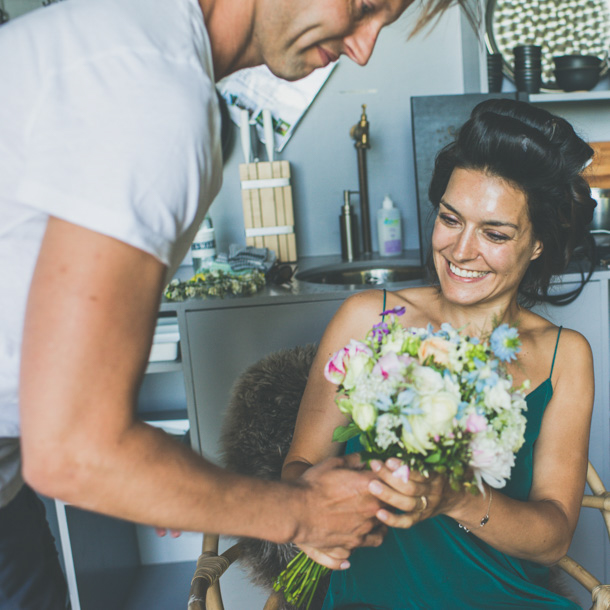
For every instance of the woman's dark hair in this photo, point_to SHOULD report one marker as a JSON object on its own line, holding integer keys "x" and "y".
{"x": 541, "y": 155}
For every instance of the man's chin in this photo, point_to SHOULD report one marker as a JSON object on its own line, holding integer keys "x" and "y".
{"x": 291, "y": 73}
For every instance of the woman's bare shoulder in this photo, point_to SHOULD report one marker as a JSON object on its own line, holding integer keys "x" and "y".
{"x": 419, "y": 304}
{"x": 543, "y": 341}
{"x": 360, "y": 311}
{"x": 543, "y": 332}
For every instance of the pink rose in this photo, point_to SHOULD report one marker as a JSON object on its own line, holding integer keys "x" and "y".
{"x": 436, "y": 347}
{"x": 389, "y": 366}
{"x": 476, "y": 423}
{"x": 336, "y": 368}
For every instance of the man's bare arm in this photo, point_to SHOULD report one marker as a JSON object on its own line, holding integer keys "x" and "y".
{"x": 89, "y": 323}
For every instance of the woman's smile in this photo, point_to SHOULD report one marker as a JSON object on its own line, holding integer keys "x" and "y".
{"x": 470, "y": 274}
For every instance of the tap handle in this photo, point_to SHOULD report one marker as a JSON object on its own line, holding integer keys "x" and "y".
{"x": 360, "y": 131}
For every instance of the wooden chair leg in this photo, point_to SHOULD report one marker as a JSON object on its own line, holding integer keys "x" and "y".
{"x": 205, "y": 590}
{"x": 274, "y": 602}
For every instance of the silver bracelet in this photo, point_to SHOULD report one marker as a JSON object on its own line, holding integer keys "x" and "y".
{"x": 485, "y": 519}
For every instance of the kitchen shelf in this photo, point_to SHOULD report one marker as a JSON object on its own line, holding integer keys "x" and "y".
{"x": 562, "y": 96}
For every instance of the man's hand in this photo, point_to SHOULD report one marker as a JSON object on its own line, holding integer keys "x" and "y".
{"x": 339, "y": 511}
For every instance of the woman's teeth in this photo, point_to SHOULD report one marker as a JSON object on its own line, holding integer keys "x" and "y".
{"x": 465, "y": 272}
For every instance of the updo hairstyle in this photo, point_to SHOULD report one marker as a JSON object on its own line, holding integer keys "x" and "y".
{"x": 540, "y": 154}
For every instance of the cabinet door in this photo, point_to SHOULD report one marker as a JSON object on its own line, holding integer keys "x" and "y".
{"x": 589, "y": 315}
{"x": 222, "y": 343}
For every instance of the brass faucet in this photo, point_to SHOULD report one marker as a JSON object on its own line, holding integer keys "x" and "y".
{"x": 360, "y": 133}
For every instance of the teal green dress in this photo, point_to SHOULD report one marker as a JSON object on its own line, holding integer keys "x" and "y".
{"x": 436, "y": 565}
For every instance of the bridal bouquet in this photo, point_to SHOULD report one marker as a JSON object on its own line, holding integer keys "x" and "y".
{"x": 438, "y": 401}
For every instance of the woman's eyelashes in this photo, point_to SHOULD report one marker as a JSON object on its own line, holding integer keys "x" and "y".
{"x": 452, "y": 221}
{"x": 448, "y": 219}
{"x": 497, "y": 237}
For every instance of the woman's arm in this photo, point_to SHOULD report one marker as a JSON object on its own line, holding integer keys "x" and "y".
{"x": 318, "y": 414}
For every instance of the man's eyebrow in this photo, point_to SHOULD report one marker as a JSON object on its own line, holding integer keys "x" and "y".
{"x": 492, "y": 223}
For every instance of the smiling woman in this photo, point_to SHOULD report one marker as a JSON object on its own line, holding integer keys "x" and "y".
{"x": 483, "y": 240}
{"x": 539, "y": 156}
{"x": 512, "y": 205}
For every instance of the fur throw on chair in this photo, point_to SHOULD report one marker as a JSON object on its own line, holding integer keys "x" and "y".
{"x": 256, "y": 436}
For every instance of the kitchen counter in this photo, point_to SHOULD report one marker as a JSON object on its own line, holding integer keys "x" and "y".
{"x": 296, "y": 291}
{"x": 300, "y": 291}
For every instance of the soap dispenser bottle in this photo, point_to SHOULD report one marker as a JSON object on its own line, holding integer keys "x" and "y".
{"x": 389, "y": 229}
{"x": 203, "y": 248}
{"x": 349, "y": 229}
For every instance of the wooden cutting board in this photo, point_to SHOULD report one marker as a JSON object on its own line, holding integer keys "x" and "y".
{"x": 598, "y": 173}
{"x": 267, "y": 206}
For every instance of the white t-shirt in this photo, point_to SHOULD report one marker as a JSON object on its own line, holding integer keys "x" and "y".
{"x": 109, "y": 120}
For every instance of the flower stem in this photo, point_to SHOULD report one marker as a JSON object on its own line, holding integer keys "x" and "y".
{"x": 299, "y": 581}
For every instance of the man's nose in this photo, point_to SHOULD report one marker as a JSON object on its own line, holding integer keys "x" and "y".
{"x": 359, "y": 45}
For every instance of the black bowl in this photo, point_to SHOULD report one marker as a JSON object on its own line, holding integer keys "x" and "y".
{"x": 577, "y": 61}
{"x": 577, "y": 79}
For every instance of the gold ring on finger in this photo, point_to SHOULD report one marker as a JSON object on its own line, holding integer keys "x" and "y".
{"x": 424, "y": 502}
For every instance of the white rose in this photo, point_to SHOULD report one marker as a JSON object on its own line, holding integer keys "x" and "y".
{"x": 439, "y": 410}
{"x": 394, "y": 342}
{"x": 359, "y": 364}
{"x": 427, "y": 380}
{"x": 364, "y": 415}
{"x": 489, "y": 463}
{"x": 497, "y": 397}
{"x": 452, "y": 385}
{"x": 436, "y": 419}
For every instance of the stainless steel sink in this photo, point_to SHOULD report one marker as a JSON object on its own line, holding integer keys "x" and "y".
{"x": 362, "y": 274}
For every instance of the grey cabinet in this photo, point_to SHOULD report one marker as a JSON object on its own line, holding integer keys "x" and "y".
{"x": 222, "y": 342}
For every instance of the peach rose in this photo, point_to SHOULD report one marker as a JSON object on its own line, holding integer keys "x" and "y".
{"x": 436, "y": 347}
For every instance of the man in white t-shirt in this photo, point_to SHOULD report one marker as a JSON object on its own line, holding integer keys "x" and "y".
{"x": 110, "y": 157}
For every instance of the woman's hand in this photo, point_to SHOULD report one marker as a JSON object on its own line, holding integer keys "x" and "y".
{"x": 335, "y": 559}
{"x": 415, "y": 496}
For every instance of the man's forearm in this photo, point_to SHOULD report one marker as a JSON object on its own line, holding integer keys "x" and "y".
{"x": 144, "y": 475}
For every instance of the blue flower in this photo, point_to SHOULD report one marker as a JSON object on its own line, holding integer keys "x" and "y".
{"x": 471, "y": 376}
{"x": 405, "y": 398}
{"x": 383, "y": 402}
{"x": 461, "y": 408}
{"x": 505, "y": 343}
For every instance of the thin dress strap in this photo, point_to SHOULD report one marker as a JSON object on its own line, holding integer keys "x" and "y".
{"x": 384, "y": 296}
{"x": 555, "y": 353}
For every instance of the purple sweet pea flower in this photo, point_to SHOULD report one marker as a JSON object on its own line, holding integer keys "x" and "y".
{"x": 398, "y": 311}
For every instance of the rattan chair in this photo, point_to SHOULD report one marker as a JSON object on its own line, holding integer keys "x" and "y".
{"x": 600, "y": 594}
{"x": 267, "y": 397}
